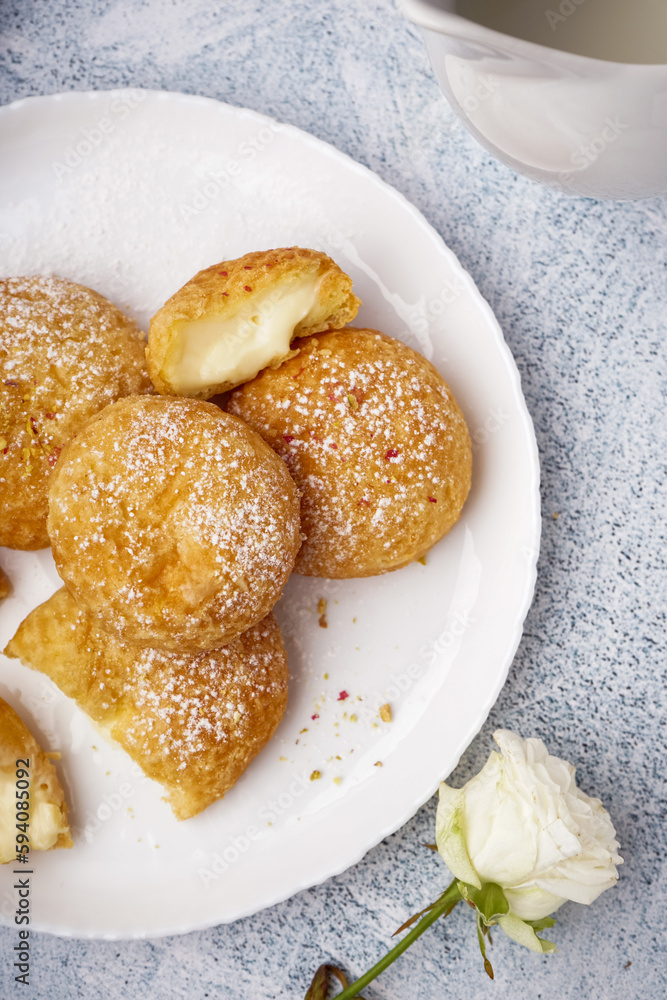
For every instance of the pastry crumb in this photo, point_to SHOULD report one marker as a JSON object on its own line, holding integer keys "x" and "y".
{"x": 385, "y": 713}
{"x": 315, "y": 775}
{"x": 322, "y": 612}
{"x": 378, "y": 763}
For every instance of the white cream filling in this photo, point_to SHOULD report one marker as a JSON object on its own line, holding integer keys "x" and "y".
{"x": 216, "y": 350}
{"x": 46, "y": 820}
{"x": 45, "y": 825}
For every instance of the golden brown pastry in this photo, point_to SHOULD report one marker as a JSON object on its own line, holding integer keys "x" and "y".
{"x": 235, "y": 318}
{"x": 5, "y": 586}
{"x": 192, "y": 722}
{"x": 375, "y": 442}
{"x": 47, "y": 811}
{"x": 65, "y": 352}
{"x": 172, "y": 523}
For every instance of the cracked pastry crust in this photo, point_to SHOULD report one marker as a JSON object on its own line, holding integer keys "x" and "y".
{"x": 5, "y": 586}
{"x": 376, "y": 443}
{"x": 172, "y": 523}
{"x": 48, "y": 827}
{"x": 193, "y": 723}
{"x": 65, "y": 352}
{"x": 235, "y": 318}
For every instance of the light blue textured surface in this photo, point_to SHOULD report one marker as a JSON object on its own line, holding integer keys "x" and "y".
{"x": 579, "y": 289}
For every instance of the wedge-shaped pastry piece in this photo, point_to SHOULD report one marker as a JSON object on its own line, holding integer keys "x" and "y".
{"x": 192, "y": 723}
{"x": 376, "y": 443}
{"x": 235, "y": 318}
{"x": 172, "y": 523}
{"x": 5, "y": 586}
{"x": 65, "y": 352}
{"x": 23, "y": 763}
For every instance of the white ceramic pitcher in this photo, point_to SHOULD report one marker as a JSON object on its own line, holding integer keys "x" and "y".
{"x": 586, "y": 126}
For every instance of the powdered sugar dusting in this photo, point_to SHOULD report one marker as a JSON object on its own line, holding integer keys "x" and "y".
{"x": 374, "y": 440}
{"x": 65, "y": 352}
{"x": 185, "y": 704}
{"x": 192, "y": 722}
{"x": 194, "y": 521}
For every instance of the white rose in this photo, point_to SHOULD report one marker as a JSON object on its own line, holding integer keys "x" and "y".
{"x": 523, "y": 824}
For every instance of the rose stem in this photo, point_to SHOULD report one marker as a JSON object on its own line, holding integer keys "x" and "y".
{"x": 446, "y": 903}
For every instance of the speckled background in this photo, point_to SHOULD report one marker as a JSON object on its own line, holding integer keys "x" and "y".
{"x": 579, "y": 289}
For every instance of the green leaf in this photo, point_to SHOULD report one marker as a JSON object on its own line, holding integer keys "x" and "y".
{"x": 490, "y": 900}
{"x": 319, "y": 988}
{"x": 542, "y": 924}
{"x": 521, "y": 932}
{"x": 548, "y": 947}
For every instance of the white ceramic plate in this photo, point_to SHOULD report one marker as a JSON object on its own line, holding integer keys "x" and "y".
{"x": 132, "y": 193}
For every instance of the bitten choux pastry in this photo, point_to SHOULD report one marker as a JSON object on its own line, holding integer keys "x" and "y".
{"x": 235, "y": 318}
{"x": 376, "y": 443}
{"x": 65, "y": 352}
{"x": 193, "y": 723}
{"x": 25, "y": 768}
{"x": 5, "y": 586}
{"x": 172, "y": 523}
